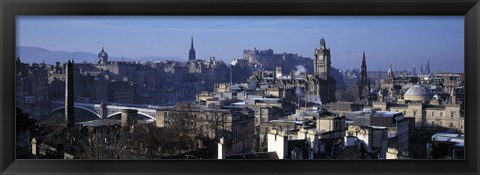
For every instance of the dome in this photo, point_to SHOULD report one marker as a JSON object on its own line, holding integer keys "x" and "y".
{"x": 417, "y": 93}
{"x": 103, "y": 54}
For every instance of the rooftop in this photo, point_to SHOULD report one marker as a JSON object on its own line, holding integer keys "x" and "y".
{"x": 449, "y": 137}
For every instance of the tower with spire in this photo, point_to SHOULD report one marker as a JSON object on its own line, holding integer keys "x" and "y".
{"x": 102, "y": 57}
{"x": 414, "y": 71}
{"x": 322, "y": 60}
{"x": 364, "y": 69}
{"x": 390, "y": 76}
{"x": 421, "y": 69}
{"x": 363, "y": 86}
{"x": 324, "y": 85}
{"x": 427, "y": 67}
{"x": 191, "y": 53}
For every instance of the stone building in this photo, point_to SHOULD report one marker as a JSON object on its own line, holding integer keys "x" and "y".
{"x": 209, "y": 72}
{"x": 31, "y": 87}
{"x": 426, "y": 110}
{"x": 121, "y": 92}
{"x": 319, "y": 140}
{"x": 235, "y": 126}
{"x": 381, "y": 130}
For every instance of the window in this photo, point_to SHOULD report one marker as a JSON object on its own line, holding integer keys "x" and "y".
{"x": 451, "y": 114}
{"x": 451, "y": 125}
{"x": 433, "y": 113}
{"x": 441, "y": 114}
{"x": 433, "y": 123}
{"x": 414, "y": 113}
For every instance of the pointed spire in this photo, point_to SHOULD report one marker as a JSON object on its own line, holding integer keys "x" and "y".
{"x": 363, "y": 56}
{"x": 191, "y": 53}
{"x": 427, "y": 67}
{"x": 191, "y": 47}
{"x": 414, "y": 71}
{"x": 323, "y": 45}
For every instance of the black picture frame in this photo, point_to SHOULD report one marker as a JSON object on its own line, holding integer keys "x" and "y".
{"x": 10, "y": 8}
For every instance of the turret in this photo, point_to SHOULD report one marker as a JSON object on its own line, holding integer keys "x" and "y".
{"x": 102, "y": 57}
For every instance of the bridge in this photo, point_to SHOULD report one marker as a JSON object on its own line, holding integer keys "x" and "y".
{"x": 109, "y": 110}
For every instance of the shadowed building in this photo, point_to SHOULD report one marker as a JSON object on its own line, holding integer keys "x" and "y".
{"x": 23, "y": 125}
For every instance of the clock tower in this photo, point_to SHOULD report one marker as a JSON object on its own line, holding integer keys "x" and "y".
{"x": 322, "y": 60}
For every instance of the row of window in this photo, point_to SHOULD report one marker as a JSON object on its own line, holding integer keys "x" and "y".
{"x": 441, "y": 124}
{"x": 433, "y": 113}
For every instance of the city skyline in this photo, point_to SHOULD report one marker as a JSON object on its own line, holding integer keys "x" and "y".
{"x": 406, "y": 41}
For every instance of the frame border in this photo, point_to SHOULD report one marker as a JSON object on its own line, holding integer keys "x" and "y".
{"x": 11, "y": 8}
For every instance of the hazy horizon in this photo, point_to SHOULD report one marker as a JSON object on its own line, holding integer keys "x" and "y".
{"x": 402, "y": 41}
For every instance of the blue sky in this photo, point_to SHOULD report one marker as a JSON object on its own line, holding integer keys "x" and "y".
{"x": 402, "y": 41}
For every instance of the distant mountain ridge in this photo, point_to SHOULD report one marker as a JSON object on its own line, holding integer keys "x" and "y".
{"x": 29, "y": 54}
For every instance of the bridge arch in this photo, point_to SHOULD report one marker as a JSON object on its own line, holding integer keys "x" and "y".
{"x": 112, "y": 114}
{"x": 80, "y": 107}
{"x": 144, "y": 114}
{"x": 147, "y": 115}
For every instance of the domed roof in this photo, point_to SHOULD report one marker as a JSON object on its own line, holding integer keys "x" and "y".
{"x": 103, "y": 54}
{"x": 417, "y": 93}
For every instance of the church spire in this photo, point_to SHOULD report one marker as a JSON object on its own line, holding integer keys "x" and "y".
{"x": 364, "y": 56}
{"x": 191, "y": 47}
{"x": 364, "y": 69}
{"x": 427, "y": 67}
{"x": 191, "y": 53}
{"x": 364, "y": 83}
{"x": 390, "y": 76}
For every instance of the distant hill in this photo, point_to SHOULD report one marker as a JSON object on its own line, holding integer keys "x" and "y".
{"x": 38, "y": 55}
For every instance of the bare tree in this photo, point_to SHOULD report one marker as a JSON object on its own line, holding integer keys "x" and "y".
{"x": 211, "y": 124}
{"x": 53, "y": 129}
{"x": 105, "y": 143}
